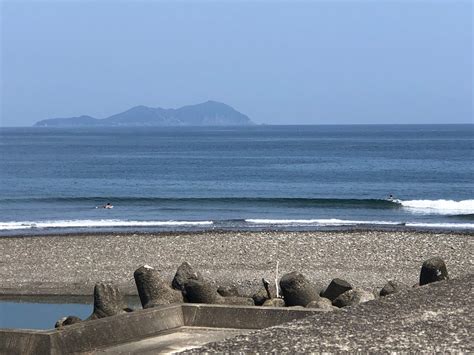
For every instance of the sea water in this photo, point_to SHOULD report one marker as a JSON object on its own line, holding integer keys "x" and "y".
{"x": 56, "y": 180}
{"x": 34, "y": 315}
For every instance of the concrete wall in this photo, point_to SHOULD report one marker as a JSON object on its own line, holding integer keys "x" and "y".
{"x": 89, "y": 335}
{"x": 16, "y": 342}
{"x": 129, "y": 327}
{"x": 240, "y": 317}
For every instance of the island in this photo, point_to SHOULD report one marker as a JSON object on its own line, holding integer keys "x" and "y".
{"x": 209, "y": 113}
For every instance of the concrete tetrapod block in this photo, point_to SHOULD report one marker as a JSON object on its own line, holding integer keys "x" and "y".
{"x": 228, "y": 291}
{"x": 108, "y": 301}
{"x": 436, "y": 318}
{"x": 323, "y": 303}
{"x": 152, "y": 290}
{"x": 353, "y": 297}
{"x": 392, "y": 287}
{"x": 184, "y": 273}
{"x": 67, "y": 321}
{"x": 274, "y": 302}
{"x": 268, "y": 291}
{"x": 297, "y": 290}
{"x": 260, "y": 297}
{"x": 336, "y": 287}
{"x": 201, "y": 291}
{"x": 433, "y": 270}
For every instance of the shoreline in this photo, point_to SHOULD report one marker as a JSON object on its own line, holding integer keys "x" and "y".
{"x": 297, "y": 229}
{"x": 70, "y": 264}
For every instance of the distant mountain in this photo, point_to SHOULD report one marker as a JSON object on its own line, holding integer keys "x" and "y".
{"x": 210, "y": 113}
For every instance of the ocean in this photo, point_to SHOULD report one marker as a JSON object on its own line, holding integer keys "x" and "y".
{"x": 236, "y": 178}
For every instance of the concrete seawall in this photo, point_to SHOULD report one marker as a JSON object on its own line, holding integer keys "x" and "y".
{"x": 141, "y": 324}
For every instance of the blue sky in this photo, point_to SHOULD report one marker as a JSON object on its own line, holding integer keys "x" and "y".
{"x": 298, "y": 62}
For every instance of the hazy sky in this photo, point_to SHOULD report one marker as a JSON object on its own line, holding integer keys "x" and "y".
{"x": 311, "y": 62}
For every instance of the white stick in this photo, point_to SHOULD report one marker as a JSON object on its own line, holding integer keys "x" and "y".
{"x": 276, "y": 281}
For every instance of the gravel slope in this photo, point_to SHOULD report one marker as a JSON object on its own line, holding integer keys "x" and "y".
{"x": 70, "y": 265}
{"x": 429, "y": 319}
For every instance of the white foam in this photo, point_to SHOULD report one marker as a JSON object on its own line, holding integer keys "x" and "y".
{"x": 341, "y": 222}
{"x": 445, "y": 207}
{"x": 317, "y": 222}
{"x": 442, "y": 225}
{"x": 97, "y": 224}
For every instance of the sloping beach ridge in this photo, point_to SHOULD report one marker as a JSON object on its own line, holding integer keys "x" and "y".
{"x": 367, "y": 260}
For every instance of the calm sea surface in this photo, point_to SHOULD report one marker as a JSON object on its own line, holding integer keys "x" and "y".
{"x": 262, "y": 177}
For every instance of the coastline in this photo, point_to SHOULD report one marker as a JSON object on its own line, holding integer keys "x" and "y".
{"x": 70, "y": 265}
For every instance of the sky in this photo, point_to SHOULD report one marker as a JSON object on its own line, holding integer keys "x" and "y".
{"x": 279, "y": 62}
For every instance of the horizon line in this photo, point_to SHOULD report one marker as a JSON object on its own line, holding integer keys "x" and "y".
{"x": 255, "y": 124}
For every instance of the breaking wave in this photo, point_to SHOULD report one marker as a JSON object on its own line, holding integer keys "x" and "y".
{"x": 442, "y": 225}
{"x": 199, "y": 201}
{"x": 444, "y": 207}
{"x": 104, "y": 223}
{"x": 241, "y": 224}
{"x": 319, "y": 222}
{"x": 333, "y": 222}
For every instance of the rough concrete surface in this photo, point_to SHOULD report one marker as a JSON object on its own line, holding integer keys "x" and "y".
{"x": 433, "y": 318}
{"x": 72, "y": 264}
{"x": 179, "y": 340}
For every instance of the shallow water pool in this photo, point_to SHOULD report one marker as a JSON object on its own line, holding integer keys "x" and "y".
{"x": 28, "y": 315}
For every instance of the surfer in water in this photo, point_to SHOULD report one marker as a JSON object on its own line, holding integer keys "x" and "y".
{"x": 107, "y": 205}
{"x": 392, "y": 198}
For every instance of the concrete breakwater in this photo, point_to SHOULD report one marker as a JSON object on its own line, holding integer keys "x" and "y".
{"x": 189, "y": 286}
{"x": 158, "y": 329}
{"x": 231, "y": 310}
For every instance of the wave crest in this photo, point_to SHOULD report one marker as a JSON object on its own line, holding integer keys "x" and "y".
{"x": 319, "y": 222}
{"x": 334, "y": 222}
{"x": 444, "y": 207}
{"x": 103, "y": 223}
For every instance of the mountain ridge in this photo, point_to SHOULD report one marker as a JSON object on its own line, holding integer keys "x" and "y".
{"x": 209, "y": 113}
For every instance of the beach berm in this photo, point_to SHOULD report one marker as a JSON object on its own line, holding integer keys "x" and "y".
{"x": 73, "y": 264}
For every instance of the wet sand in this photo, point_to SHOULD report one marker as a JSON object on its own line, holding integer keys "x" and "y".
{"x": 71, "y": 264}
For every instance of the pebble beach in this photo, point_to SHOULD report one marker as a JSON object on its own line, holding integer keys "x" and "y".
{"x": 70, "y": 265}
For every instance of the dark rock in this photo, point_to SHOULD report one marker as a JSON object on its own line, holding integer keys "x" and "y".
{"x": 266, "y": 286}
{"x": 153, "y": 290}
{"x": 297, "y": 290}
{"x": 336, "y": 287}
{"x": 201, "y": 291}
{"x": 228, "y": 291}
{"x": 433, "y": 270}
{"x": 392, "y": 287}
{"x": 268, "y": 291}
{"x": 323, "y": 303}
{"x": 60, "y": 322}
{"x": 184, "y": 273}
{"x": 274, "y": 302}
{"x": 67, "y": 321}
{"x": 236, "y": 301}
{"x": 260, "y": 297}
{"x": 108, "y": 301}
{"x": 353, "y": 297}
{"x": 72, "y": 320}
